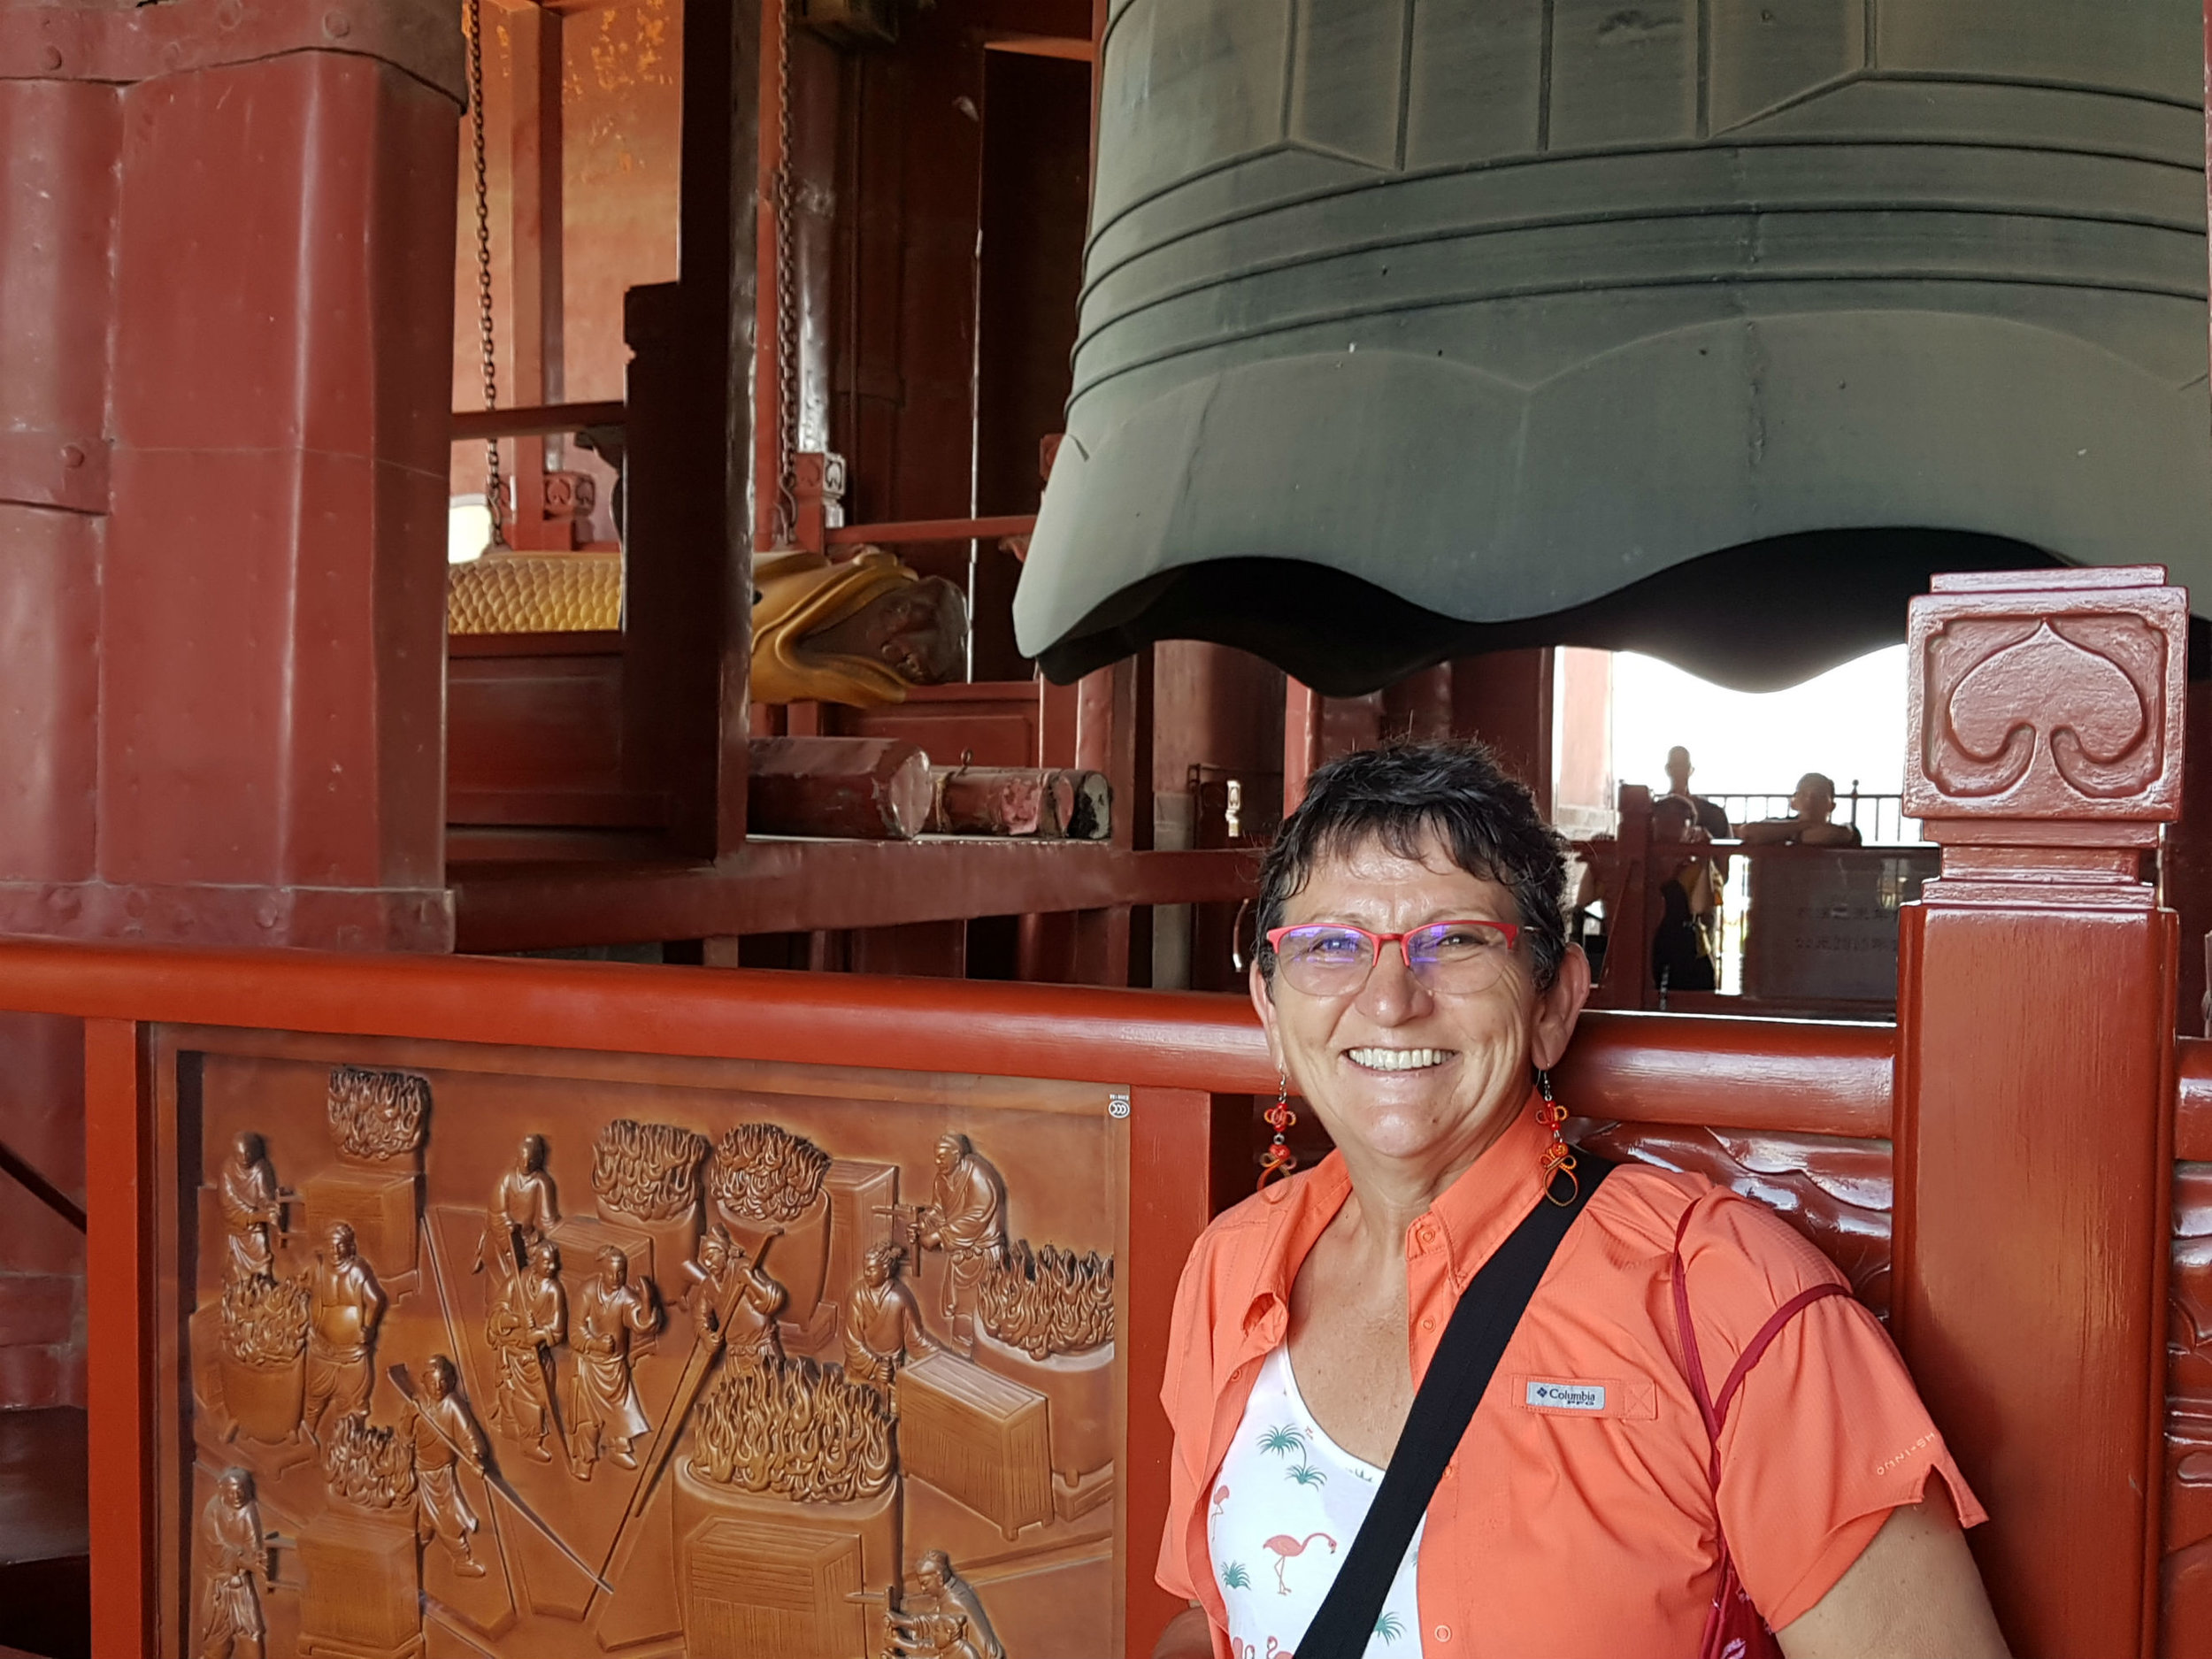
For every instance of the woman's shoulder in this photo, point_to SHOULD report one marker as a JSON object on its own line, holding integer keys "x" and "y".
{"x": 1736, "y": 1249}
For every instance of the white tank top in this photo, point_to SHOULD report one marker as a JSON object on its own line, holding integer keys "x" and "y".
{"x": 1285, "y": 1508}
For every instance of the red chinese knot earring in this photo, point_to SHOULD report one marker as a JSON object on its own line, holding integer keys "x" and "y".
{"x": 1559, "y": 1158}
{"x": 1280, "y": 1159}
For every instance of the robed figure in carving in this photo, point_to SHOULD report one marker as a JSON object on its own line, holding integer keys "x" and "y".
{"x": 603, "y": 1411}
{"x": 246, "y": 1192}
{"x": 523, "y": 1211}
{"x": 529, "y": 1318}
{"x": 882, "y": 1320}
{"x": 345, "y": 1306}
{"x": 735, "y": 1298}
{"x": 232, "y": 1555}
{"x": 966, "y": 1219}
{"x": 445, "y": 1434}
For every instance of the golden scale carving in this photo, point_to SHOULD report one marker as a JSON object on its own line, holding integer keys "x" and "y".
{"x": 804, "y": 1421}
{"x": 535, "y": 593}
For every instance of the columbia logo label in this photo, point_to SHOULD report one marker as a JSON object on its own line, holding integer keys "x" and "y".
{"x": 1567, "y": 1396}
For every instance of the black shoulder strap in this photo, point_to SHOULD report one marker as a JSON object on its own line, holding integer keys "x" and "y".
{"x": 1488, "y": 1313}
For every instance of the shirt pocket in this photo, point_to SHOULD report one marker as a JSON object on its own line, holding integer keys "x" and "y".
{"x": 1622, "y": 1398}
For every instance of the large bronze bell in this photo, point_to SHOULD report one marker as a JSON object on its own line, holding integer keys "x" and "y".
{"x": 1413, "y": 327}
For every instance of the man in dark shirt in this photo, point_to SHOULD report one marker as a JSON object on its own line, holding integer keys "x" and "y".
{"x": 1710, "y": 817}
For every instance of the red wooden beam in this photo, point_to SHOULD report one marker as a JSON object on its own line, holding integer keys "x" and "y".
{"x": 1797, "y": 1076}
{"x": 782, "y": 886}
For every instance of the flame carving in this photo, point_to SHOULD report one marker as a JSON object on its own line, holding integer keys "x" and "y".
{"x": 377, "y": 1116}
{"x": 367, "y": 1465}
{"x": 1048, "y": 1301}
{"x": 800, "y": 1431}
{"x": 265, "y": 1320}
{"x": 649, "y": 1170}
{"x": 764, "y": 1172}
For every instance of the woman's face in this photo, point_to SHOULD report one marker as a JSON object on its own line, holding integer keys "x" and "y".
{"x": 1394, "y": 1068}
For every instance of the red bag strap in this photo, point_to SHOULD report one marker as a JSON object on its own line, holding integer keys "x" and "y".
{"x": 1716, "y": 1412}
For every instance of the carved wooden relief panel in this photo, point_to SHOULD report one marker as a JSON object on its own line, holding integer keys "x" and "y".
{"x": 491, "y": 1351}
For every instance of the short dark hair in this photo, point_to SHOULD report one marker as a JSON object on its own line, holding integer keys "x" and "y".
{"x": 1400, "y": 794}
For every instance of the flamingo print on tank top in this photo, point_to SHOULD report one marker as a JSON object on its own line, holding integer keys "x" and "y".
{"x": 1287, "y": 1502}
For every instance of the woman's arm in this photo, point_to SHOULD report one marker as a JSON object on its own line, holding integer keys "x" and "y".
{"x": 1187, "y": 1636}
{"x": 1914, "y": 1592}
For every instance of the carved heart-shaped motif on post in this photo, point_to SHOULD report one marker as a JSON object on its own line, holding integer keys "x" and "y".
{"x": 2048, "y": 695}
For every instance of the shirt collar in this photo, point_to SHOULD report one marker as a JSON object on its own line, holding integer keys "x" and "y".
{"x": 1467, "y": 1221}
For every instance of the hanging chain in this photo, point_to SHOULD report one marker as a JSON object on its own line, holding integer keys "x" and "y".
{"x": 786, "y": 514}
{"x": 495, "y": 493}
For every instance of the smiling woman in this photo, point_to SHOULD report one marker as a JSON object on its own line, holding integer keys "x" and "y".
{"x": 1416, "y": 985}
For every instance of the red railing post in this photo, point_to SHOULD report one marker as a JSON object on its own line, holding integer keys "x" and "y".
{"x": 2035, "y": 1079}
{"x": 119, "y": 1251}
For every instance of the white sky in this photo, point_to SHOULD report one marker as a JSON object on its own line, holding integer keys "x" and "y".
{"x": 1848, "y": 722}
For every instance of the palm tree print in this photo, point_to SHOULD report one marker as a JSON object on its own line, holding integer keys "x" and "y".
{"x": 1390, "y": 1627}
{"x": 1234, "y": 1577}
{"x": 1306, "y": 1475}
{"x": 1283, "y": 1440}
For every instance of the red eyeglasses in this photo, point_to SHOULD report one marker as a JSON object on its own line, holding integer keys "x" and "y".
{"x": 1332, "y": 959}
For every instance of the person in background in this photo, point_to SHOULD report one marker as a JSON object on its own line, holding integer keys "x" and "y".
{"x": 1811, "y": 809}
{"x": 1682, "y": 948}
{"x": 1707, "y": 814}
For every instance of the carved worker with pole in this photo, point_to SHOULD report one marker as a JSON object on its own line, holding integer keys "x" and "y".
{"x": 523, "y": 1210}
{"x": 529, "y": 1320}
{"x": 740, "y": 1301}
{"x": 444, "y": 1432}
{"x": 966, "y": 1219}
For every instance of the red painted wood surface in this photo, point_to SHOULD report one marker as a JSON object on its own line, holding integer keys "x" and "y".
{"x": 994, "y": 723}
{"x": 535, "y": 736}
{"x": 118, "y": 1264}
{"x": 221, "y": 729}
{"x": 1173, "y": 1134}
{"x": 2035, "y": 1073}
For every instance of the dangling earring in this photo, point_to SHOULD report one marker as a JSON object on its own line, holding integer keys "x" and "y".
{"x": 1280, "y": 1159}
{"x": 1559, "y": 1158}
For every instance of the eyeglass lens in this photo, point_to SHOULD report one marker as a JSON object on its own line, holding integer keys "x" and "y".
{"x": 1456, "y": 958}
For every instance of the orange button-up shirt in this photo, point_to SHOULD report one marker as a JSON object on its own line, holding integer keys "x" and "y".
{"x": 1577, "y": 1532}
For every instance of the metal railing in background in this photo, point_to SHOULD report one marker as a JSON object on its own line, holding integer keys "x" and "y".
{"x": 1879, "y": 818}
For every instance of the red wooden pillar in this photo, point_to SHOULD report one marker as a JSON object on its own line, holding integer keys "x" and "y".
{"x": 1505, "y": 699}
{"x": 1303, "y": 708}
{"x": 2035, "y": 1079}
{"x": 226, "y": 254}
